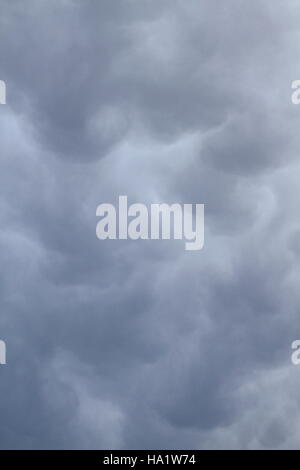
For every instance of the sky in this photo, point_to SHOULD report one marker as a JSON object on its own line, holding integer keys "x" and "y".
{"x": 122, "y": 344}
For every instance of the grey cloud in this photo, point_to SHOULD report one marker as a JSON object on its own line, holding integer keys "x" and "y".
{"x": 142, "y": 345}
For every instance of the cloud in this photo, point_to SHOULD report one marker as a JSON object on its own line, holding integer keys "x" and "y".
{"x": 123, "y": 344}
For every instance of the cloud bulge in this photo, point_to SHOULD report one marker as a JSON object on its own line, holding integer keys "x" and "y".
{"x": 123, "y": 344}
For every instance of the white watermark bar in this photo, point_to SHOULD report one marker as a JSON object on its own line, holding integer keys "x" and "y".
{"x": 2, "y": 353}
{"x": 2, "y": 343}
{"x": 161, "y": 222}
{"x": 2, "y": 92}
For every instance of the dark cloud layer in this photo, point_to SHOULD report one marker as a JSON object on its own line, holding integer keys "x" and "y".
{"x": 123, "y": 344}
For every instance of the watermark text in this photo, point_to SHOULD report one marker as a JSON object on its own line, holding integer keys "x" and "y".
{"x": 295, "y": 358}
{"x": 160, "y": 222}
{"x": 2, "y": 353}
{"x": 2, "y": 92}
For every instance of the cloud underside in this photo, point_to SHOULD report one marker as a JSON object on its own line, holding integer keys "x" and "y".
{"x": 123, "y": 344}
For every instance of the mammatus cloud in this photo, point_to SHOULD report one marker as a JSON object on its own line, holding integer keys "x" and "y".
{"x": 141, "y": 344}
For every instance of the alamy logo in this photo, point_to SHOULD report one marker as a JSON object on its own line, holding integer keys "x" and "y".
{"x": 163, "y": 221}
{"x": 296, "y": 354}
{"x": 2, "y": 353}
{"x": 2, "y": 92}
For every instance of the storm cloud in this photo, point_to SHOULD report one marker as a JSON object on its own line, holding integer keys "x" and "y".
{"x": 140, "y": 344}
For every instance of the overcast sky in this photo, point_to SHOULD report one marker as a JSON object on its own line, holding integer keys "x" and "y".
{"x": 123, "y": 344}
